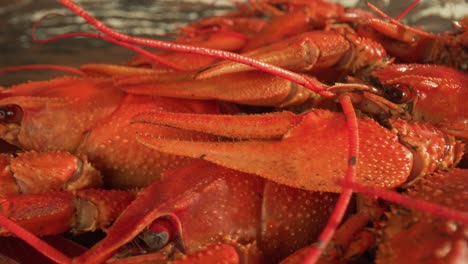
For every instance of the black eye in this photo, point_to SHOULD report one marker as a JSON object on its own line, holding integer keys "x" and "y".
{"x": 281, "y": 7}
{"x": 399, "y": 94}
{"x": 11, "y": 114}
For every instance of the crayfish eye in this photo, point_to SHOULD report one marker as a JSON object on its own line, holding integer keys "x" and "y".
{"x": 11, "y": 114}
{"x": 158, "y": 235}
{"x": 281, "y": 6}
{"x": 399, "y": 94}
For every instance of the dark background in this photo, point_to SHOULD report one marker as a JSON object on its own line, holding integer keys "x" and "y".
{"x": 149, "y": 18}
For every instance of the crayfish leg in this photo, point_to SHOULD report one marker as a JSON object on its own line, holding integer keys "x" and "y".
{"x": 58, "y": 212}
{"x": 40, "y": 245}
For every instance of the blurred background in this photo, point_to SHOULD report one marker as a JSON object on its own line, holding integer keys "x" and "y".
{"x": 148, "y": 18}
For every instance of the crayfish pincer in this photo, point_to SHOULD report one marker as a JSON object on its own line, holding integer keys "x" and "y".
{"x": 308, "y": 151}
{"x": 176, "y": 204}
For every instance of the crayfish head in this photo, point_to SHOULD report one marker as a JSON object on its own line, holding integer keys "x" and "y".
{"x": 34, "y": 123}
{"x": 430, "y": 93}
{"x": 56, "y": 114}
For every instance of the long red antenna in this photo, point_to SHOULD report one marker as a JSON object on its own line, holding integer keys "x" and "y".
{"x": 343, "y": 200}
{"x": 410, "y": 202}
{"x": 406, "y": 27}
{"x": 309, "y": 83}
{"x": 409, "y": 8}
{"x": 138, "y": 50}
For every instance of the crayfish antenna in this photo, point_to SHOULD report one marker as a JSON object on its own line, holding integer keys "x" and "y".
{"x": 413, "y": 203}
{"x": 345, "y": 196}
{"x": 396, "y": 22}
{"x": 136, "y": 49}
{"x": 120, "y": 37}
{"x": 407, "y": 9}
{"x": 35, "y": 242}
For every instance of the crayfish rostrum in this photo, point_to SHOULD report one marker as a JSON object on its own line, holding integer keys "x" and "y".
{"x": 243, "y": 142}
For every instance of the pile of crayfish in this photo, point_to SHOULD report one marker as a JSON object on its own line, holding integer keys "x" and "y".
{"x": 287, "y": 131}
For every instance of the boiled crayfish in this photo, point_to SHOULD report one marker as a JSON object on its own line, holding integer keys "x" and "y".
{"x": 222, "y": 184}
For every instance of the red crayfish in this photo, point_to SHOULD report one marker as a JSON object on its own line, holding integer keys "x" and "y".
{"x": 218, "y": 183}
